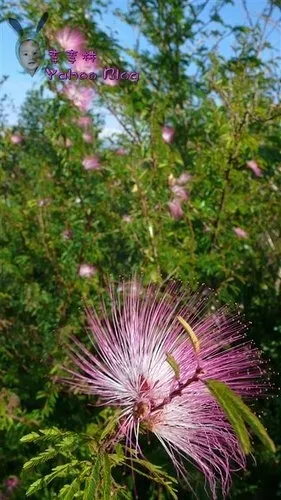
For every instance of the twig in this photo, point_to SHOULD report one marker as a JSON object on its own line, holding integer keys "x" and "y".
{"x": 178, "y": 391}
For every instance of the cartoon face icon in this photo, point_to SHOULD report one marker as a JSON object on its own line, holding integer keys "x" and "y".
{"x": 29, "y": 45}
{"x": 29, "y": 55}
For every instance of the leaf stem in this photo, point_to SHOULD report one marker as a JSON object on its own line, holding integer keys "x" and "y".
{"x": 178, "y": 391}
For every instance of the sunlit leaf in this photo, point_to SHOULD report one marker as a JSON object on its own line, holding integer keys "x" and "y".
{"x": 238, "y": 413}
{"x": 93, "y": 481}
{"x": 193, "y": 337}
{"x": 173, "y": 364}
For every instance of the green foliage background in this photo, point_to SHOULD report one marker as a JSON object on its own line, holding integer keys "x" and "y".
{"x": 225, "y": 113}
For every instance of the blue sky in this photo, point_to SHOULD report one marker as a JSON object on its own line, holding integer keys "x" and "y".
{"x": 19, "y": 82}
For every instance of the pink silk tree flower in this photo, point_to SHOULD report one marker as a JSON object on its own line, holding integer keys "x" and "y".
{"x": 88, "y": 137}
{"x": 11, "y": 483}
{"x": 68, "y": 143}
{"x": 121, "y": 152}
{"x": 16, "y": 138}
{"x": 175, "y": 209}
{"x": 252, "y": 165}
{"x": 241, "y": 233}
{"x": 80, "y": 96}
{"x": 71, "y": 38}
{"x": 127, "y": 218}
{"x": 82, "y": 65}
{"x": 110, "y": 82}
{"x": 70, "y": 90}
{"x": 91, "y": 163}
{"x": 86, "y": 270}
{"x": 130, "y": 370}
{"x": 84, "y": 122}
{"x": 168, "y": 134}
{"x": 83, "y": 98}
{"x": 180, "y": 192}
{"x": 183, "y": 179}
{"x": 67, "y": 234}
{"x": 43, "y": 202}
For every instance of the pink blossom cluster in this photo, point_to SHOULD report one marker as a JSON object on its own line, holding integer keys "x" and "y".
{"x": 85, "y": 122}
{"x": 11, "y": 484}
{"x": 16, "y": 138}
{"x": 87, "y": 136}
{"x": 241, "y": 233}
{"x": 71, "y": 38}
{"x": 80, "y": 96}
{"x": 67, "y": 234}
{"x": 121, "y": 152}
{"x": 252, "y": 165}
{"x": 180, "y": 194}
{"x": 168, "y": 134}
{"x": 91, "y": 162}
{"x": 131, "y": 370}
{"x": 86, "y": 270}
{"x": 83, "y": 65}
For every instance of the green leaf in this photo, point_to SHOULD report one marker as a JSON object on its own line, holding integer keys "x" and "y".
{"x": 69, "y": 490}
{"x": 51, "y": 434}
{"x": 33, "y": 436}
{"x": 59, "y": 471}
{"x": 106, "y": 474}
{"x": 238, "y": 413}
{"x": 42, "y": 458}
{"x": 221, "y": 395}
{"x": 37, "y": 485}
{"x": 173, "y": 364}
{"x": 93, "y": 481}
{"x": 252, "y": 420}
{"x": 156, "y": 473}
{"x": 111, "y": 425}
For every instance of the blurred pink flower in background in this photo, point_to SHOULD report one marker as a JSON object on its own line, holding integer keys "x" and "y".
{"x": 70, "y": 38}
{"x": 82, "y": 65}
{"x": 91, "y": 163}
{"x": 206, "y": 228}
{"x": 16, "y": 138}
{"x": 11, "y": 483}
{"x": 111, "y": 83}
{"x": 43, "y": 202}
{"x": 252, "y": 165}
{"x": 180, "y": 192}
{"x": 240, "y": 232}
{"x": 70, "y": 90}
{"x": 168, "y": 134}
{"x": 80, "y": 96}
{"x": 68, "y": 143}
{"x": 86, "y": 270}
{"x": 84, "y": 122}
{"x": 183, "y": 179}
{"x": 87, "y": 137}
{"x": 67, "y": 234}
{"x": 121, "y": 152}
{"x": 127, "y": 218}
{"x": 175, "y": 209}
{"x": 180, "y": 195}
